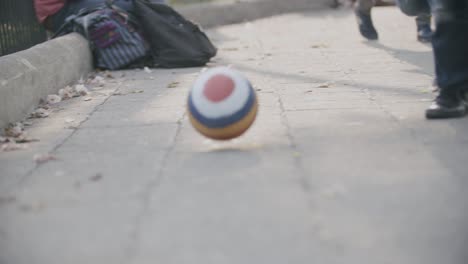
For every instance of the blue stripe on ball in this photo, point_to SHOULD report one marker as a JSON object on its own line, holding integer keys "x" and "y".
{"x": 223, "y": 121}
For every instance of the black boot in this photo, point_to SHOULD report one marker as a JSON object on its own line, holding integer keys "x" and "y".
{"x": 448, "y": 104}
{"x": 366, "y": 27}
{"x": 424, "y": 33}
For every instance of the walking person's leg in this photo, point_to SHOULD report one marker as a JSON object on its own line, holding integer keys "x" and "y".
{"x": 450, "y": 46}
{"x": 450, "y": 43}
{"x": 363, "y": 10}
{"x": 423, "y": 24}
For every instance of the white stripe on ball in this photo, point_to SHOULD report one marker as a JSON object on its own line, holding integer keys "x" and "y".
{"x": 227, "y": 107}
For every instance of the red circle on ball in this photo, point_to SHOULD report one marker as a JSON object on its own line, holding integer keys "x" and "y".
{"x": 218, "y": 88}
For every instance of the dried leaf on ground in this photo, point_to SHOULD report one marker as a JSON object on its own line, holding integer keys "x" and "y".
{"x": 12, "y": 146}
{"x": 231, "y": 49}
{"x": 87, "y": 99}
{"x": 25, "y": 139}
{"x": 318, "y": 46}
{"x": 14, "y": 130}
{"x": 53, "y": 99}
{"x": 43, "y": 158}
{"x": 66, "y": 93}
{"x": 32, "y": 207}
{"x": 81, "y": 90}
{"x": 117, "y": 92}
{"x": 325, "y": 85}
{"x": 69, "y": 120}
{"x": 40, "y": 113}
{"x": 96, "y": 177}
{"x": 137, "y": 91}
{"x": 108, "y": 74}
{"x": 4, "y": 200}
{"x": 173, "y": 85}
{"x": 98, "y": 81}
{"x": 27, "y": 123}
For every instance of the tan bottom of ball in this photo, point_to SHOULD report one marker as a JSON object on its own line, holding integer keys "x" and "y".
{"x": 228, "y": 132}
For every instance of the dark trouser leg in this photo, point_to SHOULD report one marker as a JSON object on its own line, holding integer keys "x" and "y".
{"x": 450, "y": 45}
{"x": 364, "y": 19}
{"x": 423, "y": 19}
{"x": 423, "y": 25}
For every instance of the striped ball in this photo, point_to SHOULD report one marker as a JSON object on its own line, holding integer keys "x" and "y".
{"x": 222, "y": 104}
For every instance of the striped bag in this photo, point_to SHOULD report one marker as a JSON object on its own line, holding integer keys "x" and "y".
{"x": 115, "y": 42}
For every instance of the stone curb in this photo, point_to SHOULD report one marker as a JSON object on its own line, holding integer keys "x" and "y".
{"x": 32, "y": 74}
{"x": 28, "y": 76}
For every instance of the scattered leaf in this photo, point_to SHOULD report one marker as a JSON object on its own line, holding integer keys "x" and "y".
{"x": 32, "y": 207}
{"x": 137, "y": 91}
{"x": 108, "y": 74}
{"x": 98, "y": 81}
{"x": 319, "y": 46}
{"x": 4, "y": 200}
{"x": 14, "y": 130}
{"x": 96, "y": 177}
{"x": 53, "y": 99}
{"x": 12, "y": 146}
{"x": 231, "y": 49}
{"x": 43, "y": 158}
{"x": 147, "y": 70}
{"x": 173, "y": 85}
{"x": 324, "y": 85}
{"x": 66, "y": 93}
{"x": 27, "y": 123}
{"x": 87, "y": 99}
{"x": 40, "y": 113}
{"x": 81, "y": 90}
{"x": 69, "y": 120}
{"x": 24, "y": 139}
{"x": 117, "y": 92}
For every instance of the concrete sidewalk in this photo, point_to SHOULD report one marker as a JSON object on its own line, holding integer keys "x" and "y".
{"x": 339, "y": 167}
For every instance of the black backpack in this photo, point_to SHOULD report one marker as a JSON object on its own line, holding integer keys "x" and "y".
{"x": 174, "y": 41}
